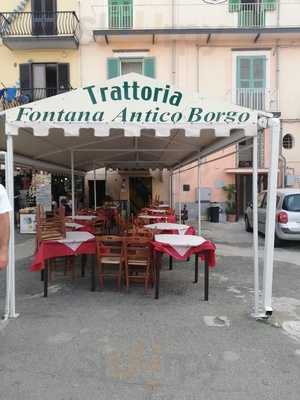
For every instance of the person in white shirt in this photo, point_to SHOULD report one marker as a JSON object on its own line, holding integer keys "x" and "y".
{"x": 4, "y": 227}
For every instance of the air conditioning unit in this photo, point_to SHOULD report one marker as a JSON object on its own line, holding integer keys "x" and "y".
{"x": 290, "y": 180}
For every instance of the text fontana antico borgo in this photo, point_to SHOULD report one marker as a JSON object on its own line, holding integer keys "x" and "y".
{"x": 139, "y": 94}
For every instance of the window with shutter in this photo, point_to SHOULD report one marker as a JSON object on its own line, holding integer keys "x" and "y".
{"x": 234, "y": 5}
{"x": 113, "y": 67}
{"x": 120, "y": 14}
{"x": 149, "y": 67}
{"x": 251, "y": 13}
{"x": 63, "y": 77}
{"x": 251, "y": 72}
{"x": 121, "y": 66}
{"x": 132, "y": 65}
{"x": 26, "y": 80}
{"x": 251, "y": 81}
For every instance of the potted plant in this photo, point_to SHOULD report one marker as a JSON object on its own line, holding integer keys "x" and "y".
{"x": 230, "y": 203}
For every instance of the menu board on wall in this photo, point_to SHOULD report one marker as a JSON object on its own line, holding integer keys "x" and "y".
{"x": 43, "y": 191}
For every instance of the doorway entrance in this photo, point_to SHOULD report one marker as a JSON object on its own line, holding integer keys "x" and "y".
{"x": 100, "y": 193}
{"x": 244, "y": 190}
{"x": 140, "y": 193}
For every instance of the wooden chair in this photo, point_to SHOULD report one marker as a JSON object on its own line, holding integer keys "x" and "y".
{"x": 53, "y": 229}
{"x": 138, "y": 261}
{"x": 99, "y": 226}
{"x": 110, "y": 258}
{"x": 141, "y": 232}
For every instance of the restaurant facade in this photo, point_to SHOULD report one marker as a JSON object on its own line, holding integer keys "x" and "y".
{"x": 229, "y": 50}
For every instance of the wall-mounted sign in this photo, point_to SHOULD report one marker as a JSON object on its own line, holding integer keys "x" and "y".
{"x": 43, "y": 191}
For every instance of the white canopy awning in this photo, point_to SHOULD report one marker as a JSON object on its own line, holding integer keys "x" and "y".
{"x": 131, "y": 121}
{"x": 136, "y": 122}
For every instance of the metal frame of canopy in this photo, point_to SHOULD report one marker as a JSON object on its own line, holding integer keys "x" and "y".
{"x": 260, "y": 310}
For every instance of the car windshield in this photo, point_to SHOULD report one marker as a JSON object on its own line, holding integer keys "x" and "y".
{"x": 292, "y": 203}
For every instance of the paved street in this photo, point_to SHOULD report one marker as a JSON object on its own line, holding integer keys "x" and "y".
{"x": 107, "y": 345}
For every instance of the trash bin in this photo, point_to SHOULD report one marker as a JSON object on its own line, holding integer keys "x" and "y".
{"x": 214, "y": 212}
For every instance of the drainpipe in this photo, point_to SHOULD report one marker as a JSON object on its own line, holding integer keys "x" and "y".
{"x": 173, "y": 56}
{"x": 80, "y": 50}
{"x": 277, "y": 102}
{"x": 197, "y": 65}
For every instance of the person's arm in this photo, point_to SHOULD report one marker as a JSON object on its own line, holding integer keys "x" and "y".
{"x": 4, "y": 239}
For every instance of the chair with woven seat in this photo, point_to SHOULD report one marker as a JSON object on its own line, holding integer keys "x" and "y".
{"x": 138, "y": 260}
{"x": 110, "y": 258}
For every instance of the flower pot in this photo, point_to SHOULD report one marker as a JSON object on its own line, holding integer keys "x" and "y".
{"x": 231, "y": 217}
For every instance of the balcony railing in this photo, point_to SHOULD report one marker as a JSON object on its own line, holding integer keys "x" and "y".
{"x": 61, "y": 23}
{"x": 14, "y": 97}
{"x": 256, "y": 99}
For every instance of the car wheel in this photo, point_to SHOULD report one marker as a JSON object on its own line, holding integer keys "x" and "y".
{"x": 247, "y": 225}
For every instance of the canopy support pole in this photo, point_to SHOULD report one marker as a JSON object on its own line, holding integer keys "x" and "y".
{"x": 271, "y": 215}
{"x": 95, "y": 190}
{"x": 179, "y": 195}
{"x": 199, "y": 198}
{"x": 171, "y": 190}
{"x": 10, "y": 311}
{"x": 174, "y": 191}
{"x": 73, "y": 184}
{"x": 255, "y": 227}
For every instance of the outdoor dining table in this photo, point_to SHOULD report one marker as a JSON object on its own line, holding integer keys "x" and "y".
{"x": 74, "y": 226}
{"x": 75, "y": 243}
{"x": 155, "y": 218}
{"x": 86, "y": 221}
{"x": 181, "y": 247}
{"x": 155, "y": 210}
{"x": 179, "y": 229}
{"x": 171, "y": 228}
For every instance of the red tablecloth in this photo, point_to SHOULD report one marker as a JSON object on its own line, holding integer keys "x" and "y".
{"x": 53, "y": 249}
{"x": 187, "y": 251}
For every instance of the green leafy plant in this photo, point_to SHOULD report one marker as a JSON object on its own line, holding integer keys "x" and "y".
{"x": 230, "y": 191}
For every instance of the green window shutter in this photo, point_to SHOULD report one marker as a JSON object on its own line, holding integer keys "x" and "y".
{"x": 149, "y": 67}
{"x": 270, "y": 5}
{"x": 234, "y": 5}
{"x": 251, "y": 72}
{"x": 113, "y": 67}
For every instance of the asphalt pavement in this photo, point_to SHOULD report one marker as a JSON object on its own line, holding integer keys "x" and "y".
{"x": 82, "y": 345}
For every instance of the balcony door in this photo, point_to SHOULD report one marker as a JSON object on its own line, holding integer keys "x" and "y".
{"x": 44, "y": 17}
{"x": 40, "y": 80}
{"x": 120, "y": 14}
{"x": 251, "y": 82}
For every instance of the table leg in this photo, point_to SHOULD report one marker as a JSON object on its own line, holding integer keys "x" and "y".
{"x": 196, "y": 268}
{"x": 170, "y": 263}
{"x": 93, "y": 276}
{"x": 157, "y": 274}
{"x": 83, "y": 264}
{"x": 46, "y": 274}
{"x": 206, "y": 277}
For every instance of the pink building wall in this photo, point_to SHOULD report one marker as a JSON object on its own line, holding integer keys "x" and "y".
{"x": 212, "y": 175}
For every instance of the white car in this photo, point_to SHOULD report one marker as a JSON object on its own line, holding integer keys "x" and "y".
{"x": 287, "y": 215}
